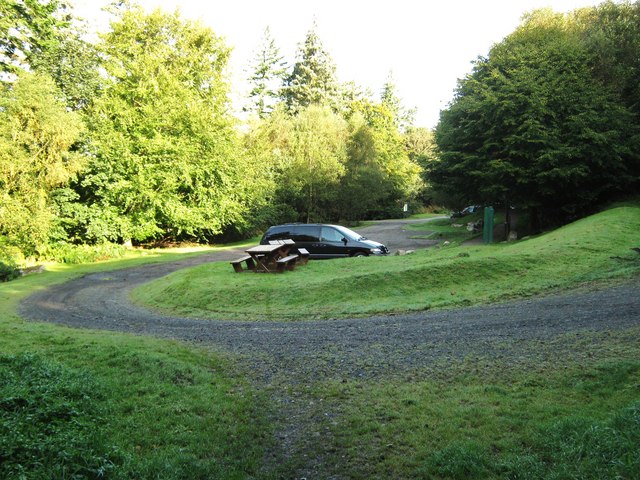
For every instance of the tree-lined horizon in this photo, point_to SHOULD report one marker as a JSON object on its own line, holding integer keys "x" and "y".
{"x": 550, "y": 119}
{"x": 132, "y": 139}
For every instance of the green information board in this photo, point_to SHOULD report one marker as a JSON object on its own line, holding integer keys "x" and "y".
{"x": 487, "y": 229}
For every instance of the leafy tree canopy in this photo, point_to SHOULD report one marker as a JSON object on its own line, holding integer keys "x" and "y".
{"x": 313, "y": 151}
{"x": 165, "y": 160}
{"x": 380, "y": 173}
{"x": 28, "y": 28}
{"x": 37, "y": 156}
{"x": 532, "y": 126}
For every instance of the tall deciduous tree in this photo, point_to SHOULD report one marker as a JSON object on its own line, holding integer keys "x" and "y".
{"x": 532, "y": 126}
{"x": 611, "y": 32}
{"x": 420, "y": 145}
{"x": 380, "y": 173}
{"x": 316, "y": 158}
{"x": 28, "y": 29}
{"x": 74, "y": 64}
{"x": 313, "y": 79}
{"x": 165, "y": 161}
{"x": 269, "y": 71}
{"x": 37, "y": 156}
{"x": 44, "y": 36}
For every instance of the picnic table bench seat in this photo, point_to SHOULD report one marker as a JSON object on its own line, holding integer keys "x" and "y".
{"x": 237, "y": 264}
{"x": 303, "y": 253}
{"x": 304, "y": 256}
{"x": 288, "y": 262}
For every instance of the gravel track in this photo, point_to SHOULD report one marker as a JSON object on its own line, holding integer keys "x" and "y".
{"x": 360, "y": 347}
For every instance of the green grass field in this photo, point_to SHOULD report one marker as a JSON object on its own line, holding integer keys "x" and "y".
{"x": 597, "y": 248}
{"x": 575, "y": 419}
{"x": 442, "y": 229}
{"x": 101, "y": 405}
{"x": 88, "y": 404}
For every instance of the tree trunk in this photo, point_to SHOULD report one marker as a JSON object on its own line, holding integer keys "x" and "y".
{"x": 534, "y": 220}
{"x": 310, "y": 203}
{"x": 507, "y": 221}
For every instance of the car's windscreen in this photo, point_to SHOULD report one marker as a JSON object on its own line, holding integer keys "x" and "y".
{"x": 350, "y": 234}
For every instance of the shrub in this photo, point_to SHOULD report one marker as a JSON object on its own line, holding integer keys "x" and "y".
{"x": 7, "y": 271}
{"x": 8, "y": 265}
{"x": 73, "y": 254}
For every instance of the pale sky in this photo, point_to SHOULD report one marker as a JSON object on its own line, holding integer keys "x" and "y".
{"x": 427, "y": 45}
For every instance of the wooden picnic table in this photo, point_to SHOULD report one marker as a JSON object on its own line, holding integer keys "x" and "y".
{"x": 266, "y": 256}
{"x": 272, "y": 258}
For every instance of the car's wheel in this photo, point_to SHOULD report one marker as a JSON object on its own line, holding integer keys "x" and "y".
{"x": 359, "y": 254}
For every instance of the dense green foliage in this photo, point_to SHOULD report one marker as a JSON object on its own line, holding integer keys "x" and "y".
{"x": 146, "y": 147}
{"x": 549, "y": 120}
{"x": 29, "y": 29}
{"x": 148, "y": 150}
{"x": 38, "y": 154}
{"x": 164, "y": 160}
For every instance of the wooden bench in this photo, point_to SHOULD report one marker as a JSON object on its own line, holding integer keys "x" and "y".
{"x": 304, "y": 256}
{"x": 237, "y": 264}
{"x": 288, "y": 263}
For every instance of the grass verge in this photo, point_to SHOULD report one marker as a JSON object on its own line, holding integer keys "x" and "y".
{"x": 442, "y": 229}
{"x": 575, "y": 413}
{"x": 597, "y": 248}
{"x": 90, "y": 404}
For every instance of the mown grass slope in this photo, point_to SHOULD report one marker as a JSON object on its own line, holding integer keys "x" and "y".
{"x": 596, "y": 248}
{"x": 92, "y": 404}
{"x": 569, "y": 418}
{"x": 89, "y": 404}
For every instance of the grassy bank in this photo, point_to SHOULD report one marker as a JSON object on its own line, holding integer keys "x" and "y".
{"x": 574, "y": 415}
{"x": 89, "y": 404}
{"x": 597, "y": 248}
{"x": 443, "y": 229}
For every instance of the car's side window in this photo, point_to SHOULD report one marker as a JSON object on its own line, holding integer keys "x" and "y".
{"x": 306, "y": 233}
{"x": 331, "y": 235}
{"x": 279, "y": 234}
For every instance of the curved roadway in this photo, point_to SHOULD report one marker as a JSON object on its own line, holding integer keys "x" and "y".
{"x": 361, "y": 347}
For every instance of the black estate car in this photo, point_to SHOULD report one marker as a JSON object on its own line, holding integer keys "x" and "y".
{"x": 325, "y": 241}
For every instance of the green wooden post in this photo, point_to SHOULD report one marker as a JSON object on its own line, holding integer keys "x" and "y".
{"x": 487, "y": 230}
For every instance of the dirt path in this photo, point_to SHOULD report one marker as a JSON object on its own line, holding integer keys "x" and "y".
{"x": 392, "y": 234}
